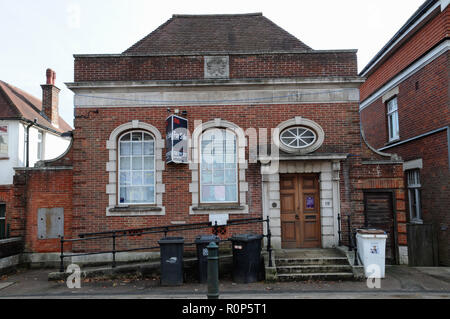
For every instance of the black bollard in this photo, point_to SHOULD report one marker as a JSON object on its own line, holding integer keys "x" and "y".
{"x": 213, "y": 271}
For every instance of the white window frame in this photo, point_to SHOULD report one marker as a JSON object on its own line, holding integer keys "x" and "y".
{"x": 236, "y": 168}
{"x": 5, "y": 137}
{"x": 119, "y": 170}
{"x": 298, "y": 137}
{"x": 198, "y": 208}
{"x": 392, "y": 118}
{"x": 113, "y": 209}
{"x": 414, "y": 187}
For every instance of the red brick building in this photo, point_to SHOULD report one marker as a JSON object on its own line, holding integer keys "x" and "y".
{"x": 273, "y": 131}
{"x": 405, "y": 110}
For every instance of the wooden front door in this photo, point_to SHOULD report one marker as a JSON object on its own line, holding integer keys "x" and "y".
{"x": 300, "y": 211}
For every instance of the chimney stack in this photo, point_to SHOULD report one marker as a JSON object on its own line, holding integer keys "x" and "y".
{"x": 50, "y": 98}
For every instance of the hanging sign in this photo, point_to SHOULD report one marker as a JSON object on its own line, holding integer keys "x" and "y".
{"x": 176, "y": 140}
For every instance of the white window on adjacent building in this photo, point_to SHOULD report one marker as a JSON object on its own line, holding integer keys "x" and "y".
{"x": 413, "y": 184}
{"x": 40, "y": 146}
{"x": 392, "y": 117}
{"x": 136, "y": 168}
{"x": 218, "y": 167}
{"x": 3, "y": 141}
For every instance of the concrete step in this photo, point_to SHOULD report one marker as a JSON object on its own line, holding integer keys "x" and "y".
{"x": 306, "y": 269}
{"x": 316, "y": 277}
{"x": 311, "y": 261}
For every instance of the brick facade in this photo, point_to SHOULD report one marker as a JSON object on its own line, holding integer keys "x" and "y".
{"x": 424, "y": 116}
{"x": 346, "y": 165}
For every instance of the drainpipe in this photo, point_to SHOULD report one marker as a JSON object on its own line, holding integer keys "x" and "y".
{"x": 28, "y": 142}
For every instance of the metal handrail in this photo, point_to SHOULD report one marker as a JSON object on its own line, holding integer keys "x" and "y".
{"x": 114, "y": 234}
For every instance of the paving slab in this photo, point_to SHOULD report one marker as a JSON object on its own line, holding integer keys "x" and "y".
{"x": 401, "y": 282}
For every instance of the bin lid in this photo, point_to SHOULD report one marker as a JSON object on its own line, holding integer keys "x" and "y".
{"x": 206, "y": 239}
{"x": 371, "y": 232}
{"x": 171, "y": 240}
{"x": 246, "y": 237}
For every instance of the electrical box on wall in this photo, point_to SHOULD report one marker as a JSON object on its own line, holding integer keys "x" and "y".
{"x": 176, "y": 140}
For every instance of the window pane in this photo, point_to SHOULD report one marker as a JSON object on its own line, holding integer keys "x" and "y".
{"x": 149, "y": 178}
{"x": 137, "y": 148}
{"x": 231, "y": 194}
{"x": 136, "y": 194}
{"x": 230, "y": 176}
{"x": 148, "y": 148}
{"x": 4, "y": 140}
{"x": 136, "y": 136}
{"x": 125, "y": 163}
{"x": 206, "y": 177}
{"x": 126, "y": 137}
{"x": 149, "y": 194}
{"x": 149, "y": 163}
{"x": 148, "y": 137}
{"x": 123, "y": 195}
{"x": 136, "y": 178}
{"x": 213, "y": 193}
{"x": 125, "y": 148}
{"x": 125, "y": 178}
{"x": 137, "y": 163}
{"x": 218, "y": 177}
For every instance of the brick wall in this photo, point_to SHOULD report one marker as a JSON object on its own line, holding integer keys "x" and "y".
{"x": 49, "y": 186}
{"x": 435, "y": 181}
{"x": 417, "y": 45}
{"x": 422, "y": 102}
{"x": 339, "y": 121}
{"x": 191, "y": 67}
{"x": 423, "y": 106}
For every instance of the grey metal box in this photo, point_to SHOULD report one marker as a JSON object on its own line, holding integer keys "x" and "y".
{"x": 50, "y": 223}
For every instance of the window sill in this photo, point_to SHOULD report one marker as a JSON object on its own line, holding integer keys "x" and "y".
{"x": 135, "y": 211}
{"x": 221, "y": 207}
{"x": 218, "y": 209}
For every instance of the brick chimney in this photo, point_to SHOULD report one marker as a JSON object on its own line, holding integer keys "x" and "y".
{"x": 50, "y": 98}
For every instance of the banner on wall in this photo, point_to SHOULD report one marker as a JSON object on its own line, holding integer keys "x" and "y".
{"x": 176, "y": 140}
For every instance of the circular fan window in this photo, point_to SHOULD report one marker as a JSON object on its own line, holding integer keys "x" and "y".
{"x": 298, "y": 137}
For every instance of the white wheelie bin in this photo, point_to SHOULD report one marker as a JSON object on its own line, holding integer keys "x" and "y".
{"x": 371, "y": 245}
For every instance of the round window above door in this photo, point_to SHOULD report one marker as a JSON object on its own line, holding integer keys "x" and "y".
{"x": 299, "y": 136}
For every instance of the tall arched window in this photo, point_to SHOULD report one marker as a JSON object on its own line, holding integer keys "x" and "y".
{"x": 136, "y": 179}
{"x": 218, "y": 167}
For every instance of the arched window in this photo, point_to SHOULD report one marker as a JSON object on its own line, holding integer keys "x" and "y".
{"x": 136, "y": 178}
{"x": 218, "y": 167}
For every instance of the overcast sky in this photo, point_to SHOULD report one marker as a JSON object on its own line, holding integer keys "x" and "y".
{"x": 46, "y": 33}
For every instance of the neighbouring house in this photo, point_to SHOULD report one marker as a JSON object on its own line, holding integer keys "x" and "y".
{"x": 269, "y": 128}
{"x": 405, "y": 110}
{"x": 31, "y": 130}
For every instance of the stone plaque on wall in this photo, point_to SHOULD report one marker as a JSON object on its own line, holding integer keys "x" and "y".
{"x": 217, "y": 67}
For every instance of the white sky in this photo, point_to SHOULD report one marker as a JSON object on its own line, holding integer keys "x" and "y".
{"x": 39, "y": 34}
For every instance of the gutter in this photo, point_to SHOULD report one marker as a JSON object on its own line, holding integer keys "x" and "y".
{"x": 416, "y": 16}
{"x": 28, "y": 141}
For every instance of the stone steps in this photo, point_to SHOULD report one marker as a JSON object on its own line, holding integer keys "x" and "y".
{"x": 316, "y": 276}
{"x": 320, "y": 265}
{"x": 314, "y": 269}
{"x": 312, "y": 261}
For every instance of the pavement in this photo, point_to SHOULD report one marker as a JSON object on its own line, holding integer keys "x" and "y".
{"x": 401, "y": 282}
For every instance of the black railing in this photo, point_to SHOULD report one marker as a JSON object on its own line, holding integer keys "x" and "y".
{"x": 115, "y": 234}
{"x": 352, "y": 239}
